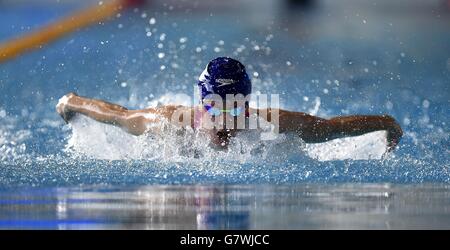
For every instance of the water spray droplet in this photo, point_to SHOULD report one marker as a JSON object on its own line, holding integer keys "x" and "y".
{"x": 183, "y": 39}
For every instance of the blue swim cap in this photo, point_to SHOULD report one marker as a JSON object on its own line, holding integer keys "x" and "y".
{"x": 223, "y": 76}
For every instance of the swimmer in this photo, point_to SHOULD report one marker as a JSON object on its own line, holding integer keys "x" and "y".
{"x": 224, "y": 77}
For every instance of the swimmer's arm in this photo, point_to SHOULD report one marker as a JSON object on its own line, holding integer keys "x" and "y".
{"x": 314, "y": 129}
{"x": 360, "y": 124}
{"x": 133, "y": 121}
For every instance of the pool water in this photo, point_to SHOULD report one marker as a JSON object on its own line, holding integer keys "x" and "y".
{"x": 343, "y": 206}
{"x": 340, "y": 62}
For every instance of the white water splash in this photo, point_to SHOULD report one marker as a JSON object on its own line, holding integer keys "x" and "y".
{"x": 12, "y": 141}
{"x": 369, "y": 146}
{"x": 102, "y": 141}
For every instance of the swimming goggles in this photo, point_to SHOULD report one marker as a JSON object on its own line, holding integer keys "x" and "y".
{"x": 216, "y": 112}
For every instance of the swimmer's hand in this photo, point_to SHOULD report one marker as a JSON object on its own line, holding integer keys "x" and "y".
{"x": 394, "y": 133}
{"x": 63, "y": 108}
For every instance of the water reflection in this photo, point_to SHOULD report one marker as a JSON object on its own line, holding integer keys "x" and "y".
{"x": 356, "y": 206}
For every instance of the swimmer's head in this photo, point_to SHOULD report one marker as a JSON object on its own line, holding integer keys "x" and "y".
{"x": 223, "y": 76}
